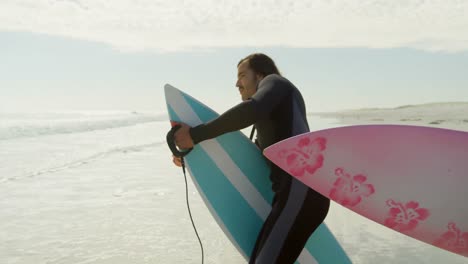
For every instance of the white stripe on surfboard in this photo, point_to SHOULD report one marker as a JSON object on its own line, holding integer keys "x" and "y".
{"x": 215, "y": 215}
{"x": 232, "y": 172}
{"x": 237, "y": 178}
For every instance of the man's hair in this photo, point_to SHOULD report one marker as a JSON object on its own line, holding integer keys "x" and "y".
{"x": 261, "y": 64}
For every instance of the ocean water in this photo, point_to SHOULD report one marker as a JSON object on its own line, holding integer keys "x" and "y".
{"x": 100, "y": 187}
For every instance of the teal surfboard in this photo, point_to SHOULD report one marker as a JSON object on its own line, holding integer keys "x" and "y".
{"x": 232, "y": 176}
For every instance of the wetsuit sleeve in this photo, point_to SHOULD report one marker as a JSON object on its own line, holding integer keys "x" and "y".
{"x": 236, "y": 118}
{"x": 271, "y": 91}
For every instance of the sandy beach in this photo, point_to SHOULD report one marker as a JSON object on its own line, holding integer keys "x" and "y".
{"x": 102, "y": 189}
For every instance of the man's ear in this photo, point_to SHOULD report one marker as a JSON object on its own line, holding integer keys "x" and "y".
{"x": 260, "y": 77}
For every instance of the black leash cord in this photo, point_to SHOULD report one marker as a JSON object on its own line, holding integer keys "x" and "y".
{"x": 181, "y": 155}
{"x": 189, "y": 211}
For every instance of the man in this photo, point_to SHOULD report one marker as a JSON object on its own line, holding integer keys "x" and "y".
{"x": 277, "y": 110}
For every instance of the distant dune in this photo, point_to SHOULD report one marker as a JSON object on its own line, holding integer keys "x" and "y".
{"x": 452, "y": 115}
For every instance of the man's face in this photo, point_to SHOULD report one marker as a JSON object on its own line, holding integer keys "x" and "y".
{"x": 247, "y": 80}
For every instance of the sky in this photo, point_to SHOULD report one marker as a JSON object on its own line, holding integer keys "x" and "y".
{"x": 117, "y": 55}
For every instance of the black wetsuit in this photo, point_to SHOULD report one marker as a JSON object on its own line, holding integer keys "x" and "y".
{"x": 278, "y": 112}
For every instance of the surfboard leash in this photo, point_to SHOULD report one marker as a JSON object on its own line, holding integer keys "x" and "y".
{"x": 181, "y": 155}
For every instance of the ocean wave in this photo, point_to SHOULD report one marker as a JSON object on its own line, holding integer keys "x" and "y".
{"x": 85, "y": 160}
{"x": 15, "y": 126}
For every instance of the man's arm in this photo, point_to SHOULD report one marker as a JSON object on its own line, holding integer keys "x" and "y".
{"x": 236, "y": 118}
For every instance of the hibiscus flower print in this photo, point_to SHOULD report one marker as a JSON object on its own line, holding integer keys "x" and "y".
{"x": 454, "y": 240}
{"x": 405, "y": 217}
{"x": 306, "y": 157}
{"x": 349, "y": 190}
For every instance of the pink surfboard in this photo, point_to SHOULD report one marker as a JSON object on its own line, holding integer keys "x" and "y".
{"x": 411, "y": 179}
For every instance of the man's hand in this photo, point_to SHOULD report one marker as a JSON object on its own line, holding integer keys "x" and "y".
{"x": 182, "y": 137}
{"x": 177, "y": 161}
